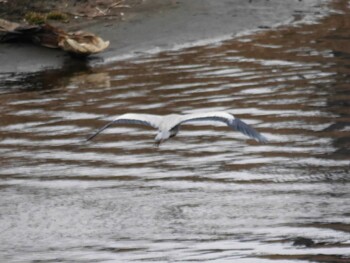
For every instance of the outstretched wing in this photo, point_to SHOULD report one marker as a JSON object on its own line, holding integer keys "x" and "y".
{"x": 131, "y": 118}
{"x": 244, "y": 128}
{"x": 227, "y": 118}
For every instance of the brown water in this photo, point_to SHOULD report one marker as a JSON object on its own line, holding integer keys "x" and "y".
{"x": 208, "y": 194}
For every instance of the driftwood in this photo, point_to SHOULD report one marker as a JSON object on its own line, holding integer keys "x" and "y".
{"x": 78, "y": 43}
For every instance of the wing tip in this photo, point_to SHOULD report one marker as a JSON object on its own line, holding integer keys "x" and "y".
{"x": 91, "y": 137}
{"x": 246, "y": 129}
{"x": 99, "y": 131}
{"x": 262, "y": 139}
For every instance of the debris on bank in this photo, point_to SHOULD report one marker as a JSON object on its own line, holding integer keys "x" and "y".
{"x": 48, "y": 23}
{"x": 77, "y": 43}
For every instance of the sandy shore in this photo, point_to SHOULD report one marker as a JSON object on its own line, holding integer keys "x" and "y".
{"x": 158, "y": 25}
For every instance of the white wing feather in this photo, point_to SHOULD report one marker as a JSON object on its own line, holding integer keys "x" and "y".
{"x": 137, "y": 118}
{"x": 227, "y": 118}
{"x": 132, "y": 118}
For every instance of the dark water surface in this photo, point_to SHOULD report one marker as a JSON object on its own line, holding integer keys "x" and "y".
{"x": 208, "y": 194}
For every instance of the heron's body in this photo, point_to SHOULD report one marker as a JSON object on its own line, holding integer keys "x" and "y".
{"x": 168, "y": 125}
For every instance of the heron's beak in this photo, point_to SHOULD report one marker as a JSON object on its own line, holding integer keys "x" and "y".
{"x": 157, "y": 143}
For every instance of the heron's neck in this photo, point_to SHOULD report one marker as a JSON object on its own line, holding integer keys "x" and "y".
{"x": 162, "y": 136}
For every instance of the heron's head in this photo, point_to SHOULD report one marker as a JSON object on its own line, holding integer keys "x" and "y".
{"x": 161, "y": 137}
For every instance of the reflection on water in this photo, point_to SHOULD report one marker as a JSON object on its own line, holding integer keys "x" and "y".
{"x": 208, "y": 194}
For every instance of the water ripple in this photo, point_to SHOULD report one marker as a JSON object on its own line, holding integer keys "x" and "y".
{"x": 208, "y": 194}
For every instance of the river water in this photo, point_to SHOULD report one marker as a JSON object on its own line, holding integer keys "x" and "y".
{"x": 208, "y": 194}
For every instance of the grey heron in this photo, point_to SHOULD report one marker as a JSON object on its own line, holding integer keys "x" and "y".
{"x": 168, "y": 125}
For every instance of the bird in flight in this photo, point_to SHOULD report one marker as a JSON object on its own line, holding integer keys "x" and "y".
{"x": 168, "y": 125}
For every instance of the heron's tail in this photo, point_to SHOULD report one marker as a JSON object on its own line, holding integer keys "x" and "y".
{"x": 99, "y": 131}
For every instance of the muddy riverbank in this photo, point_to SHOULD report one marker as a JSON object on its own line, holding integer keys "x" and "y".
{"x": 151, "y": 26}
